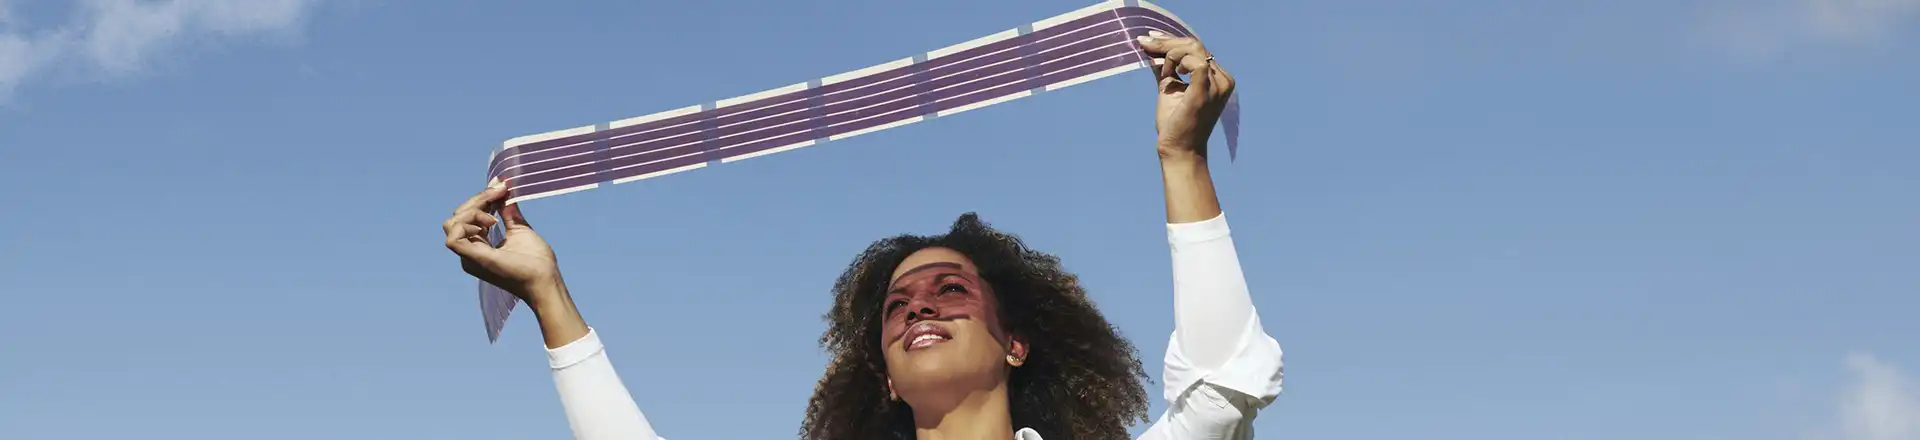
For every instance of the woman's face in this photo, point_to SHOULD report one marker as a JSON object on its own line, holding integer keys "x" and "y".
{"x": 941, "y": 329}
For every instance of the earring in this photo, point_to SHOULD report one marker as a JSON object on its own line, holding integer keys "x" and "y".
{"x": 1015, "y": 361}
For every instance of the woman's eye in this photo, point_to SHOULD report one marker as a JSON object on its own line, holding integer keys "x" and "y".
{"x": 952, "y": 288}
{"x": 895, "y": 304}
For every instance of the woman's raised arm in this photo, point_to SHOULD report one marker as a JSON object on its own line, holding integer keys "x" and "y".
{"x": 597, "y": 404}
{"x": 1221, "y": 366}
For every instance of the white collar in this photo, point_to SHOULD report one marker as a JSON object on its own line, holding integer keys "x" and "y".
{"x": 1026, "y": 434}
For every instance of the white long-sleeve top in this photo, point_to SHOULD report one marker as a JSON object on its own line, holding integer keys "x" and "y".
{"x": 1221, "y": 366}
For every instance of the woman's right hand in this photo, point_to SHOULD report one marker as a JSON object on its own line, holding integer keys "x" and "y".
{"x": 523, "y": 264}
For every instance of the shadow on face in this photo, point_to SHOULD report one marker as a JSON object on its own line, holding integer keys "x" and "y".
{"x": 941, "y": 328}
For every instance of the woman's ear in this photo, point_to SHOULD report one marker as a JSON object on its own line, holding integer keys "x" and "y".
{"x": 1017, "y": 352}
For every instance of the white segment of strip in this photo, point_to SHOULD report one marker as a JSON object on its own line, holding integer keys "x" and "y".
{"x": 801, "y": 144}
{"x": 637, "y": 120}
{"x": 729, "y": 102}
{"x": 958, "y": 110}
{"x": 556, "y": 134}
{"x": 977, "y": 42}
{"x": 1077, "y": 14}
{"x": 877, "y": 68}
{"x": 876, "y": 127}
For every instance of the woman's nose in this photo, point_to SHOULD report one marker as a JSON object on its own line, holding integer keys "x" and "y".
{"x": 921, "y": 309}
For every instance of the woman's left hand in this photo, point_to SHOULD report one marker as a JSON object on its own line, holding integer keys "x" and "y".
{"x": 1187, "y": 110}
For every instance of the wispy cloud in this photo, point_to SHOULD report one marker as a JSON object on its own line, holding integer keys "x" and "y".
{"x": 1880, "y": 404}
{"x": 117, "y": 38}
{"x": 1766, "y": 28}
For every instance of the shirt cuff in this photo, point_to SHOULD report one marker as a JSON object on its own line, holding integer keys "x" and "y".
{"x": 1256, "y": 370}
{"x": 575, "y": 352}
{"x": 1200, "y": 231}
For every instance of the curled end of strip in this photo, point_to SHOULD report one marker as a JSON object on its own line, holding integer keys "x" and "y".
{"x": 495, "y": 305}
{"x": 1230, "y": 120}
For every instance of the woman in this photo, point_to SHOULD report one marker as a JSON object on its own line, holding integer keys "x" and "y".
{"x": 969, "y": 335}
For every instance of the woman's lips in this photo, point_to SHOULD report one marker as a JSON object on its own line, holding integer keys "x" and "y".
{"x": 925, "y": 334}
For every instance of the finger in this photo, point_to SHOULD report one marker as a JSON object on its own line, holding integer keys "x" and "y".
{"x": 1154, "y": 47}
{"x": 1157, "y": 43}
{"x": 461, "y": 240}
{"x": 1168, "y": 59}
{"x": 495, "y": 190}
{"x": 1177, "y": 59}
{"x": 1201, "y": 78}
{"x": 481, "y": 219}
{"x": 473, "y": 218}
{"x": 1221, "y": 82}
{"x": 1159, "y": 75}
{"x": 1169, "y": 69}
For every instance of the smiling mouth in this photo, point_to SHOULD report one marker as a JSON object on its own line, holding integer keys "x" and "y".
{"x": 924, "y": 335}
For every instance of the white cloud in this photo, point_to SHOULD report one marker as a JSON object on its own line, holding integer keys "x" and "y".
{"x": 116, "y": 38}
{"x": 1881, "y": 403}
{"x": 1770, "y": 27}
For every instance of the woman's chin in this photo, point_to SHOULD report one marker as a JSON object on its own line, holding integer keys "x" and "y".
{"x": 930, "y": 360}
{"x": 938, "y": 364}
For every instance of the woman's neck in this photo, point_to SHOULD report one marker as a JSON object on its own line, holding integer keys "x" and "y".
{"x": 980, "y": 415}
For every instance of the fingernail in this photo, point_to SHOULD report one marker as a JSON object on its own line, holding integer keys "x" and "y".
{"x": 1142, "y": 39}
{"x": 1156, "y": 34}
{"x": 496, "y": 183}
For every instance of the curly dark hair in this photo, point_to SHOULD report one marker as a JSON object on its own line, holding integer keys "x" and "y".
{"x": 1081, "y": 381}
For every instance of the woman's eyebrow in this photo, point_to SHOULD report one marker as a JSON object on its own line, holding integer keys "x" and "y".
{"x": 922, "y": 268}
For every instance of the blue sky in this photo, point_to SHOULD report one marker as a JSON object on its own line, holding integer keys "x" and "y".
{"x": 1682, "y": 219}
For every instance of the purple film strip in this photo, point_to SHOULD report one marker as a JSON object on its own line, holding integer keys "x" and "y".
{"x": 1080, "y": 46}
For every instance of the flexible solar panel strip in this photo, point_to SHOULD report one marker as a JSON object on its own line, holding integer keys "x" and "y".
{"x": 1068, "y": 49}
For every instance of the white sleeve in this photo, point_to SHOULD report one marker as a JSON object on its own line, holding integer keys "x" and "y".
{"x": 1221, "y": 366}
{"x": 596, "y": 402}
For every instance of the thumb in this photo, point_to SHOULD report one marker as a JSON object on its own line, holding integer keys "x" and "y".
{"x": 514, "y": 218}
